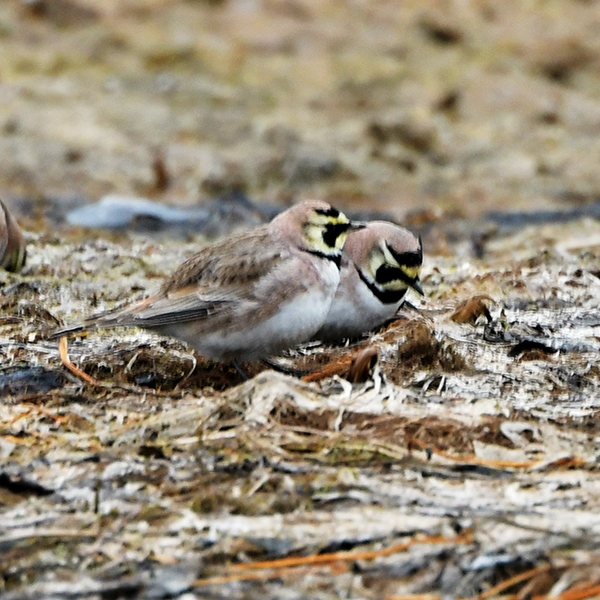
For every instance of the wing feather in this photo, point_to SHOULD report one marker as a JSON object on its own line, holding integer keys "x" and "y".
{"x": 212, "y": 283}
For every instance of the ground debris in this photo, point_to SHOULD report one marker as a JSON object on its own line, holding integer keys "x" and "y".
{"x": 442, "y": 456}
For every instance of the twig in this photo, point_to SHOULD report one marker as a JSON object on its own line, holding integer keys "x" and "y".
{"x": 40, "y": 410}
{"x": 63, "y": 350}
{"x": 503, "y": 585}
{"x": 476, "y": 460}
{"x": 293, "y": 561}
{"x": 413, "y": 597}
{"x": 66, "y": 361}
{"x": 328, "y": 558}
{"x": 591, "y": 590}
{"x": 221, "y": 579}
{"x": 191, "y": 371}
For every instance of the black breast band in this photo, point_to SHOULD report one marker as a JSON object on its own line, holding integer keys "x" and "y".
{"x": 336, "y": 258}
{"x": 385, "y": 296}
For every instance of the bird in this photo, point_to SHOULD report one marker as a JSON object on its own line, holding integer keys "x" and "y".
{"x": 251, "y": 295}
{"x": 12, "y": 245}
{"x": 380, "y": 263}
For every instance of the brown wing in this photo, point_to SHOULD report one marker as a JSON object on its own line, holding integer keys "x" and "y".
{"x": 231, "y": 262}
{"x": 211, "y": 283}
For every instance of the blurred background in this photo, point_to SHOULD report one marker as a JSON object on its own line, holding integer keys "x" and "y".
{"x": 416, "y": 108}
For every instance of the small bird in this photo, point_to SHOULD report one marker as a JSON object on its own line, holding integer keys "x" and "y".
{"x": 379, "y": 264}
{"x": 12, "y": 244}
{"x": 248, "y": 296}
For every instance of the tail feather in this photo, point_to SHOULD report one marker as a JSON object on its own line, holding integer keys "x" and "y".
{"x": 58, "y": 333}
{"x": 106, "y": 320}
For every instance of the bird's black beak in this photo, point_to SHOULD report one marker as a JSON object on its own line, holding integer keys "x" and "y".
{"x": 356, "y": 225}
{"x": 416, "y": 285}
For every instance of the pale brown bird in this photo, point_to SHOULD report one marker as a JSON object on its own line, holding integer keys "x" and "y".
{"x": 12, "y": 244}
{"x": 251, "y": 295}
{"x": 380, "y": 263}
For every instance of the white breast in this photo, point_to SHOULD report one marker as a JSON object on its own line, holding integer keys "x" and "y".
{"x": 294, "y": 322}
{"x": 354, "y": 310}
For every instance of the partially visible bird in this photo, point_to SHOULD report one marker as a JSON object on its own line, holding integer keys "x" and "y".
{"x": 251, "y": 295}
{"x": 12, "y": 244}
{"x": 381, "y": 262}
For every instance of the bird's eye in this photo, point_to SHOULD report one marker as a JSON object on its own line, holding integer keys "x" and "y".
{"x": 407, "y": 259}
{"x": 332, "y": 232}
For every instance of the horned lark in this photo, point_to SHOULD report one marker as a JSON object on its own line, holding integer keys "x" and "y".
{"x": 380, "y": 263}
{"x": 12, "y": 244}
{"x": 251, "y": 295}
